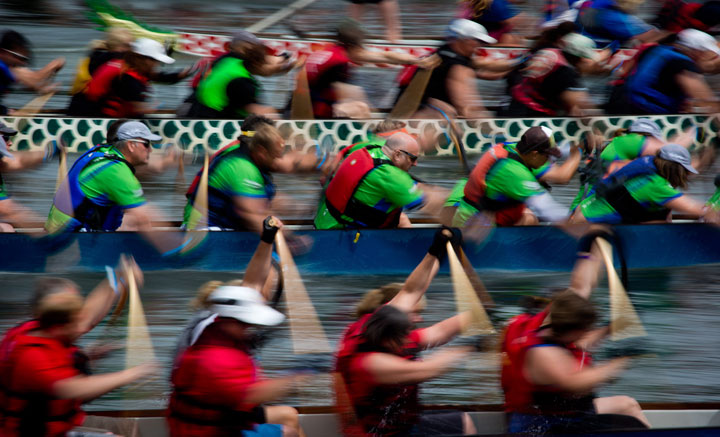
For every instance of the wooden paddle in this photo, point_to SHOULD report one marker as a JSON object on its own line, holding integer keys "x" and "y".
{"x": 456, "y": 139}
{"x": 301, "y": 104}
{"x": 485, "y": 299}
{"x": 466, "y": 298}
{"x": 180, "y": 177}
{"x": 308, "y": 336}
{"x": 624, "y": 321}
{"x": 199, "y": 213}
{"x": 139, "y": 346}
{"x": 409, "y": 101}
{"x": 62, "y": 166}
{"x": 30, "y": 110}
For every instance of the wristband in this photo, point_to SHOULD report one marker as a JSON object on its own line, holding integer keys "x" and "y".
{"x": 112, "y": 279}
{"x": 322, "y": 162}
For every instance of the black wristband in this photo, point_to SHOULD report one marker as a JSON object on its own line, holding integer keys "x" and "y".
{"x": 586, "y": 241}
{"x": 269, "y": 230}
{"x": 438, "y": 247}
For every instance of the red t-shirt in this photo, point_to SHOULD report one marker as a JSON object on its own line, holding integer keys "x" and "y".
{"x": 33, "y": 367}
{"x": 209, "y": 390}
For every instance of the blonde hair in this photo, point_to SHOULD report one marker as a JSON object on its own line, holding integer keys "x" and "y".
{"x": 265, "y": 136}
{"x": 388, "y": 125}
{"x": 116, "y": 37}
{"x": 200, "y": 301}
{"x": 378, "y": 297}
{"x": 629, "y": 5}
{"x": 478, "y": 7}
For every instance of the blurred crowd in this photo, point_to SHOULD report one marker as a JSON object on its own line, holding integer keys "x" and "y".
{"x": 657, "y": 67}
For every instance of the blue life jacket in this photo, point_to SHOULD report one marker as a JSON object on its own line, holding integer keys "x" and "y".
{"x": 613, "y": 190}
{"x": 642, "y": 86}
{"x": 221, "y": 206}
{"x": 85, "y": 212}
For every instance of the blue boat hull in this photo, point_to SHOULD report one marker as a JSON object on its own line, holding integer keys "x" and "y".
{"x": 538, "y": 248}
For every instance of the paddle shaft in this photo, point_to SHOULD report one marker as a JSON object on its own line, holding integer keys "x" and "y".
{"x": 409, "y": 101}
{"x": 301, "y": 104}
{"x": 279, "y": 15}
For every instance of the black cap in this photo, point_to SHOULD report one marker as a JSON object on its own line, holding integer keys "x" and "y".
{"x": 538, "y": 138}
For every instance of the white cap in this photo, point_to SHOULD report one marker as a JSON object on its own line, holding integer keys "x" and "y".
{"x": 698, "y": 40}
{"x": 152, "y": 49}
{"x": 131, "y": 130}
{"x": 579, "y": 45}
{"x": 462, "y": 28}
{"x": 244, "y": 304}
{"x": 646, "y": 126}
{"x": 678, "y": 154}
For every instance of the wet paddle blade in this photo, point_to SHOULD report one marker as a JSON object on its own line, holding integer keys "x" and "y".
{"x": 308, "y": 336}
{"x": 624, "y": 321}
{"x": 409, "y": 102}
{"x": 139, "y": 346}
{"x": 477, "y": 284}
{"x": 301, "y": 105}
{"x": 466, "y": 298}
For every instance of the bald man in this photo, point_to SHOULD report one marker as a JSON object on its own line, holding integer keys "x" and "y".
{"x": 372, "y": 188}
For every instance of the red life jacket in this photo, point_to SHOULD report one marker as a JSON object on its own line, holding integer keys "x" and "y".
{"x": 539, "y": 67}
{"x": 476, "y": 184}
{"x": 321, "y": 92}
{"x": 340, "y": 192}
{"x": 380, "y": 409}
{"x": 519, "y": 336}
{"x": 100, "y": 91}
{"x": 192, "y": 411}
{"x": 37, "y": 414}
{"x": 628, "y": 66}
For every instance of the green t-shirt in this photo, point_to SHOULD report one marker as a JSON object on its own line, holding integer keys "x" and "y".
{"x": 651, "y": 191}
{"x": 385, "y": 188}
{"x": 714, "y": 201}
{"x": 105, "y": 185}
{"x": 624, "y": 147}
{"x": 457, "y": 193}
{"x": 233, "y": 175}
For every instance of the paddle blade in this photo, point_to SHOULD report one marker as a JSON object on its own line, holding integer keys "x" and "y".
{"x": 409, "y": 101}
{"x": 62, "y": 168}
{"x": 477, "y": 284}
{"x": 624, "y": 321}
{"x": 34, "y": 106}
{"x": 308, "y": 336}
{"x": 466, "y": 298}
{"x": 139, "y": 346}
{"x": 301, "y": 105}
{"x": 199, "y": 213}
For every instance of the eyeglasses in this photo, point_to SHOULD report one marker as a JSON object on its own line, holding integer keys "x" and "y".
{"x": 21, "y": 57}
{"x": 413, "y": 158}
{"x": 6, "y": 137}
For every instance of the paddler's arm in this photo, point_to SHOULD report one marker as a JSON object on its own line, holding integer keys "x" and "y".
{"x": 275, "y": 65}
{"x": 563, "y": 173}
{"x": 555, "y": 366}
{"x": 37, "y": 79}
{"x": 419, "y": 280}
{"x": 138, "y": 218}
{"x": 299, "y": 162}
{"x": 688, "y": 205}
{"x": 253, "y": 211}
{"x": 391, "y": 369}
{"x": 258, "y": 268}
{"x": 442, "y": 332}
{"x": 360, "y": 55}
{"x": 100, "y": 300}
{"x": 546, "y": 208}
{"x": 462, "y": 92}
{"x": 22, "y": 160}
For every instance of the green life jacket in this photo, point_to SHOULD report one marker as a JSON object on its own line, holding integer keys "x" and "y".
{"x": 212, "y": 91}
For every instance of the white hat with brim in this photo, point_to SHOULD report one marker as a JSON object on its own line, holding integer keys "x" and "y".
{"x": 698, "y": 40}
{"x": 677, "y": 154}
{"x": 646, "y": 126}
{"x": 462, "y": 28}
{"x": 131, "y": 130}
{"x": 579, "y": 45}
{"x": 244, "y": 304}
{"x": 151, "y": 49}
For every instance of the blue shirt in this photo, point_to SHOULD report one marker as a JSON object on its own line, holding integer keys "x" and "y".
{"x": 604, "y": 22}
{"x": 6, "y": 79}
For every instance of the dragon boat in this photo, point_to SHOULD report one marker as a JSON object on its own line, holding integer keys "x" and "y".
{"x": 668, "y": 420}
{"x": 80, "y": 134}
{"x": 358, "y": 252}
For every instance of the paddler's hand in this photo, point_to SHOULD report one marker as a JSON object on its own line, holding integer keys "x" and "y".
{"x": 438, "y": 248}
{"x": 53, "y": 149}
{"x": 478, "y": 343}
{"x": 125, "y": 264}
{"x": 429, "y": 62}
{"x": 628, "y": 347}
{"x": 271, "y": 226}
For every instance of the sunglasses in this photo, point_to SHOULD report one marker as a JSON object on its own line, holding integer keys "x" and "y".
{"x": 413, "y": 158}
{"x": 144, "y": 143}
{"x": 23, "y": 58}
